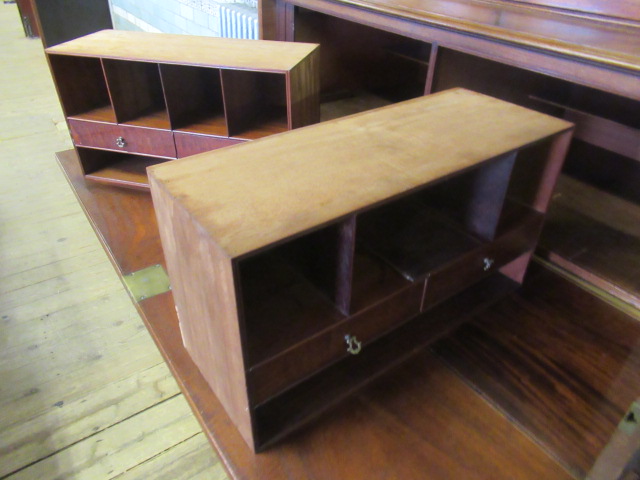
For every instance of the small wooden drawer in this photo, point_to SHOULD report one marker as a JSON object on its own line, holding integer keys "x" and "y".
{"x": 486, "y": 259}
{"x": 275, "y": 375}
{"x": 123, "y": 138}
{"x": 192, "y": 143}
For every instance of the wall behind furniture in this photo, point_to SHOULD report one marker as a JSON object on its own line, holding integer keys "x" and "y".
{"x": 193, "y": 17}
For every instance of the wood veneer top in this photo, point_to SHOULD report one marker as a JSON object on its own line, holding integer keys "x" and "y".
{"x": 256, "y": 194}
{"x": 238, "y": 54}
{"x": 612, "y": 41}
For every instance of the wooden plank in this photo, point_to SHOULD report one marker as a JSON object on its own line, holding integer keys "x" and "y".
{"x": 562, "y": 363}
{"x": 74, "y": 358}
{"x": 118, "y": 449}
{"x": 188, "y": 50}
{"x": 188, "y": 460}
{"x": 349, "y": 172}
{"x": 65, "y": 423}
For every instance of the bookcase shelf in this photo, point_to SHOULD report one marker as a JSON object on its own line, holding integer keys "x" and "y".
{"x": 222, "y": 91}
{"x": 361, "y": 240}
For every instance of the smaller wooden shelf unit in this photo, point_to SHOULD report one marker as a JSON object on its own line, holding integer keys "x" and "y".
{"x": 300, "y": 279}
{"x": 133, "y": 99}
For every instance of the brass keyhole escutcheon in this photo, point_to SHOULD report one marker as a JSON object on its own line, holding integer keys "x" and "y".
{"x": 353, "y": 345}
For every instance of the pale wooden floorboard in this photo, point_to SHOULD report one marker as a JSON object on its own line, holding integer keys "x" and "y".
{"x": 84, "y": 392}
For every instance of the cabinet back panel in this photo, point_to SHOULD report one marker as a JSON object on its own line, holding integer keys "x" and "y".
{"x": 325, "y": 257}
{"x": 193, "y": 94}
{"x": 253, "y": 100}
{"x": 356, "y": 57}
{"x": 135, "y": 88}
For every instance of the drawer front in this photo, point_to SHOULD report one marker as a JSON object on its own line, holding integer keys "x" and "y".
{"x": 481, "y": 262}
{"x": 123, "y": 138}
{"x": 317, "y": 352}
{"x": 192, "y": 143}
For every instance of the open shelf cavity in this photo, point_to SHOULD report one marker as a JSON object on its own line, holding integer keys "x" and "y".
{"x": 194, "y": 99}
{"x": 280, "y": 415}
{"x": 119, "y": 169}
{"x": 426, "y": 230}
{"x": 289, "y": 293}
{"x": 255, "y": 103}
{"x": 362, "y": 67}
{"x": 82, "y": 88}
{"x": 136, "y": 93}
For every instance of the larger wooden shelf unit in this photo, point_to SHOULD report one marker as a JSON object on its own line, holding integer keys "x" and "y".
{"x": 324, "y": 269}
{"x": 575, "y": 60}
{"x": 133, "y": 99}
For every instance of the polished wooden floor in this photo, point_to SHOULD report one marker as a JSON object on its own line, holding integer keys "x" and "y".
{"x": 531, "y": 389}
{"x": 84, "y": 392}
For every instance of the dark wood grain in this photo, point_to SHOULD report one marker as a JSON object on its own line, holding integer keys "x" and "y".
{"x": 134, "y": 139}
{"x": 625, "y": 9}
{"x": 482, "y": 261}
{"x": 610, "y": 254}
{"x": 281, "y": 307}
{"x": 131, "y": 240}
{"x": 81, "y": 86}
{"x": 412, "y": 239}
{"x": 136, "y": 92}
{"x": 566, "y": 370}
{"x": 532, "y": 53}
{"x": 330, "y": 265}
{"x": 128, "y": 171}
{"x": 307, "y": 400}
{"x": 316, "y": 352}
{"x": 194, "y": 96}
{"x": 474, "y": 199}
{"x": 255, "y": 103}
{"x": 191, "y": 143}
{"x": 303, "y": 102}
{"x": 357, "y": 58}
{"x": 393, "y": 428}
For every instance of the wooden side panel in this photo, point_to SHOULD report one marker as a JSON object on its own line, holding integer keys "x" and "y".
{"x": 267, "y": 19}
{"x": 203, "y": 288}
{"x": 549, "y": 178}
{"x": 304, "y": 91}
{"x": 80, "y": 83}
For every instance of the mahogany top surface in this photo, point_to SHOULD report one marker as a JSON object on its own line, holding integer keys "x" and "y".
{"x": 324, "y": 172}
{"x": 237, "y": 54}
{"x": 578, "y": 33}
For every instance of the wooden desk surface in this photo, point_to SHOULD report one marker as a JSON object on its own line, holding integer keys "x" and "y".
{"x": 543, "y": 404}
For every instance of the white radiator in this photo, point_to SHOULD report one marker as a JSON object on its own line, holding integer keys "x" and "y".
{"x": 238, "y": 21}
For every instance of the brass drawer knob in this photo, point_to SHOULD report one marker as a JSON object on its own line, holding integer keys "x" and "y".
{"x": 121, "y": 142}
{"x": 353, "y": 345}
{"x": 488, "y": 263}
